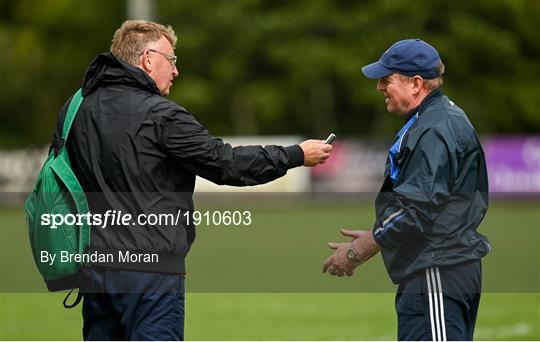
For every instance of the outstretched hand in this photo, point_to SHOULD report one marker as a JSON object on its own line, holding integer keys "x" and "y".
{"x": 363, "y": 243}
{"x": 315, "y": 152}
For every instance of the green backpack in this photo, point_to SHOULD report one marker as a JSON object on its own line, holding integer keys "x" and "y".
{"x": 58, "y": 191}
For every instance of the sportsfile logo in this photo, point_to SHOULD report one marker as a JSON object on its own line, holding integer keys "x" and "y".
{"x": 119, "y": 218}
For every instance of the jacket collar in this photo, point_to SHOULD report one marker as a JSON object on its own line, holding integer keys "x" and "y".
{"x": 432, "y": 97}
{"x": 107, "y": 69}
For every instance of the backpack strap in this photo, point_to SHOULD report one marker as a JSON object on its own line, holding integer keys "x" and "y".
{"x": 75, "y": 303}
{"x": 82, "y": 278}
{"x": 74, "y": 105}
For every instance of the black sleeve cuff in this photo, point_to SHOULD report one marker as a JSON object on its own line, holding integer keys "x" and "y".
{"x": 296, "y": 156}
{"x": 379, "y": 239}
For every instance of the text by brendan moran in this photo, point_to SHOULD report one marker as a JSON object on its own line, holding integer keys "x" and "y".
{"x": 98, "y": 257}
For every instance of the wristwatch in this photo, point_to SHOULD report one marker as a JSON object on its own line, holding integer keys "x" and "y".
{"x": 352, "y": 254}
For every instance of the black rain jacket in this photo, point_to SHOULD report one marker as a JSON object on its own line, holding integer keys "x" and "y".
{"x": 137, "y": 152}
{"x": 435, "y": 192}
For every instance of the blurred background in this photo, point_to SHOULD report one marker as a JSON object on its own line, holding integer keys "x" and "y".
{"x": 285, "y": 68}
{"x": 261, "y": 72}
{"x": 278, "y": 67}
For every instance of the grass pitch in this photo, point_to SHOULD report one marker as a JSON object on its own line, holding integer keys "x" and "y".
{"x": 265, "y": 300}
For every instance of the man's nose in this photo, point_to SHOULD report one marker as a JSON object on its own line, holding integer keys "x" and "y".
{"x": 175, "y": 71}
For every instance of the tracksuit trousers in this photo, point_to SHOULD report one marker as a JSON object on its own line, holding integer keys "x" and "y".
{"x": 127, "y": 305}
{"x": 439, "y": 303}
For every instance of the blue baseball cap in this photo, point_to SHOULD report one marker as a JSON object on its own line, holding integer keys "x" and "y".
{"x": 408, "y": 57}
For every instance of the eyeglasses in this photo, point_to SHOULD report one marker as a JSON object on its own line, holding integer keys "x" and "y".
{"x": 172, "y": 59}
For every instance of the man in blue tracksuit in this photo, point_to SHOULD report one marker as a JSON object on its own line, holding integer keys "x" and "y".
{"x": 434, "y": 196}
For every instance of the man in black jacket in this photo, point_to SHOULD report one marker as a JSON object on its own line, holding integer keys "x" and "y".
{"x": 434, "y": 196}
{"x": 136, "y": 152}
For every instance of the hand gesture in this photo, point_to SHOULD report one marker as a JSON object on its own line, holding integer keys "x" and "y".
{"x": 362, "y": 243}
{"x": 315, "y": 152}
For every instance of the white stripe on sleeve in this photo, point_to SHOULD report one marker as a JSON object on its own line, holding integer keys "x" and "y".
{"x": 392, "y": 216}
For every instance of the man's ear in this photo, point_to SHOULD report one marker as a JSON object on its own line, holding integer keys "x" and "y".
{"x": 418, "y": 84}
{"x": 145, "y": 63}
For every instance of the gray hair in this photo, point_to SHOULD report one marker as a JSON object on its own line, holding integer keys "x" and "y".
{"x": 432, "y": 83}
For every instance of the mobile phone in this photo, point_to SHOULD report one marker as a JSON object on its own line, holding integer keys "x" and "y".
{"x": 330, "y": 138}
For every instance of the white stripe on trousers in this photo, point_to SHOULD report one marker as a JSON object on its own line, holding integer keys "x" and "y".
{"x": 436, "y": 304}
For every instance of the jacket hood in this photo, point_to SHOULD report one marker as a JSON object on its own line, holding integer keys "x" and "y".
{"x": 107, "y": 69}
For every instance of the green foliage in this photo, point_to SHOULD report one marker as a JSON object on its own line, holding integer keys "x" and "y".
{"x": 287, "y": 67}
{"x": 45, "y": 49}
